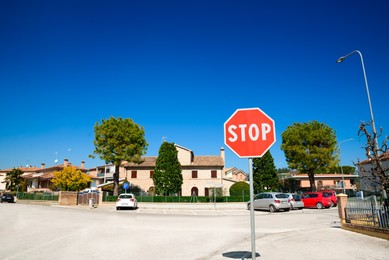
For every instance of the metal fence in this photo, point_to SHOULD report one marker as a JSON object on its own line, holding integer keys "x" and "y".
{"x": 367, "y": 212}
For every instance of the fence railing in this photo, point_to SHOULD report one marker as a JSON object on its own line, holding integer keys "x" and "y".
{"x": 367, "y": 212}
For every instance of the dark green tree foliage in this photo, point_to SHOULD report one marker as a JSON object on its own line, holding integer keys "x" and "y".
{"x": 118, "y": 140}
{"x": 14, "y": 179}
{"x": 265, "y": 173}
{"x": 167, "y": 173}
{"x": 337, "y": 170}
{"x": 239, "y": 188}
{"x": 309, "y": 147}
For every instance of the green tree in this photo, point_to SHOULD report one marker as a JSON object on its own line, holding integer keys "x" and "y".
{"x": 14, "y": 179}
{"x": 239, "y": 188}
{"x": 309, "y": 147}
{"x": 71, "y": 179}
{"x": 167, "y": 173}
{"x": 118, "y": 140}
{"x": 265, "y": 173}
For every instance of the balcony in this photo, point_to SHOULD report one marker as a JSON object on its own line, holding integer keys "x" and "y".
{"x": 105, "y": 175}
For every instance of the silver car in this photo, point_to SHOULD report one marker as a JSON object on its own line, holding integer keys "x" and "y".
{"x": 272, "y": 201}
{"x": 295, "y": 201}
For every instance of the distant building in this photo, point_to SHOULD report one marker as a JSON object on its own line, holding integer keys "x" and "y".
{"x": 26, "y": 170}
{"x": 39, "y": 178}
{"x": 369, "y": 181}
{"x": 300, "y": 182}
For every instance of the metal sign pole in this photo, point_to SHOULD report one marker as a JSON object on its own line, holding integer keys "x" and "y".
{"x": 252, "y": 219}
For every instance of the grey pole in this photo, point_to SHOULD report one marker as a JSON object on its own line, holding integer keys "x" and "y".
{"x": 368, "y": 96}
{"x": 341, "y": 168}
{"x": 252, "y": 219}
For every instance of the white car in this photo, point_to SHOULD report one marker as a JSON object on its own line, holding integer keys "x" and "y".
{"x": 126, "y": 200}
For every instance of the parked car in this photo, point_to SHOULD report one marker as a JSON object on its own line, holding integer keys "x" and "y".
{"x": 126, "y": 200}
{"x": 6, "y": 197}
{"x": 332, "y": 195}
{"x": 272, "y": 201}
{"x": 316, "y": 200}
{"x": 295, "y": 201}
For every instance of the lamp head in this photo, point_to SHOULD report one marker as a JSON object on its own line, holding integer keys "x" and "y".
{"x": 340, "y": 59}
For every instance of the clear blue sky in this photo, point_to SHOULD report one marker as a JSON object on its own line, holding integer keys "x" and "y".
{"x": 181, "y": 68}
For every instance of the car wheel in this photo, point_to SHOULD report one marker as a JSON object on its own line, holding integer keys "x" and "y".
{"x": 272, "y": 208}
{"x": 248, "y": 206}
{"x": 117, "y": 208}
{"x": 286, "y": 210}
{"x": 319, "y": 205}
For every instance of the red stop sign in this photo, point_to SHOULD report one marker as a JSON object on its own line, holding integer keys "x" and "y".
{"x": 249, "y": 132}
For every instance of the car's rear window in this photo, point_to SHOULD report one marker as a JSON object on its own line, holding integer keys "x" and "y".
{"x": 282, "y": 196}
{"x": 127, "y": 196}
{"x": 326, "y": 194}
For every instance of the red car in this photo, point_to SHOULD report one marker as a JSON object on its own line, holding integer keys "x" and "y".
{"x": 317, "y": 200}
{"x": 332, "y": 195}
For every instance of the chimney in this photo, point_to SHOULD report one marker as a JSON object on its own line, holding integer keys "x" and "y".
{"x": 82, "y": 164}
{"x": 65, "y": 162}
{"x": 42, "y": 165}
{"x": 222, "y": 155}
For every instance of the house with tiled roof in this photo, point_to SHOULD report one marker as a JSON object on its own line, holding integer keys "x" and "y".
{"x": 26, "y": 171}
{"x": 200, "y": 173}
{"x": 366, "y": 171}
{"x": 234, "y": 174}
{"x": 40, "y": 179}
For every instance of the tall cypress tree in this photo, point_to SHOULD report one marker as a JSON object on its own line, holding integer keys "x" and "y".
{"x": 265, "y": 173}
{"x": 167, "y": 173}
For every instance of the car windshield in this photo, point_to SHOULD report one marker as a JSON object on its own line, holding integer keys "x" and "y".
{"x": 296, "y": 197}
{"x": 125, "y": 196}
{"x": 282, "y": 196}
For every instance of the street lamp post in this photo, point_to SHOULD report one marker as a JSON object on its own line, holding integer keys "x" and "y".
{"x": 376, "y": 148}
{"x": 341, "y": 59}
{"x": 341, "y": 168}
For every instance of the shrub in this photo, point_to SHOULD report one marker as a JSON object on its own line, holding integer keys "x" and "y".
{"x": 239, "y": 188}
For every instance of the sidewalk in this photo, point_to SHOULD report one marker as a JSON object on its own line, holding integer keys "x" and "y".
{"x": 190, "y": 206}
{"x": 156, "y": 205}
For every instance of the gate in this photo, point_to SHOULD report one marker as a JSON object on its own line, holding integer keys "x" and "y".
{"x": 89, "y": 197}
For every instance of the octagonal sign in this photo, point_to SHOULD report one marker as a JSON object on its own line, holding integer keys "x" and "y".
{"x": 249, "y": 132}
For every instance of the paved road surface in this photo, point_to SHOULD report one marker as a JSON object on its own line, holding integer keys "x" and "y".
{"x": 177, "y": 232}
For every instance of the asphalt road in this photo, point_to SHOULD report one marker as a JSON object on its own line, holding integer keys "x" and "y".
{"x": 160, "y": 231}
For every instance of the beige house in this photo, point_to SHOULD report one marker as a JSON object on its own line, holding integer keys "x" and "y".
{"x": 26, "y": 171}
{"x": 200, "y": 174}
